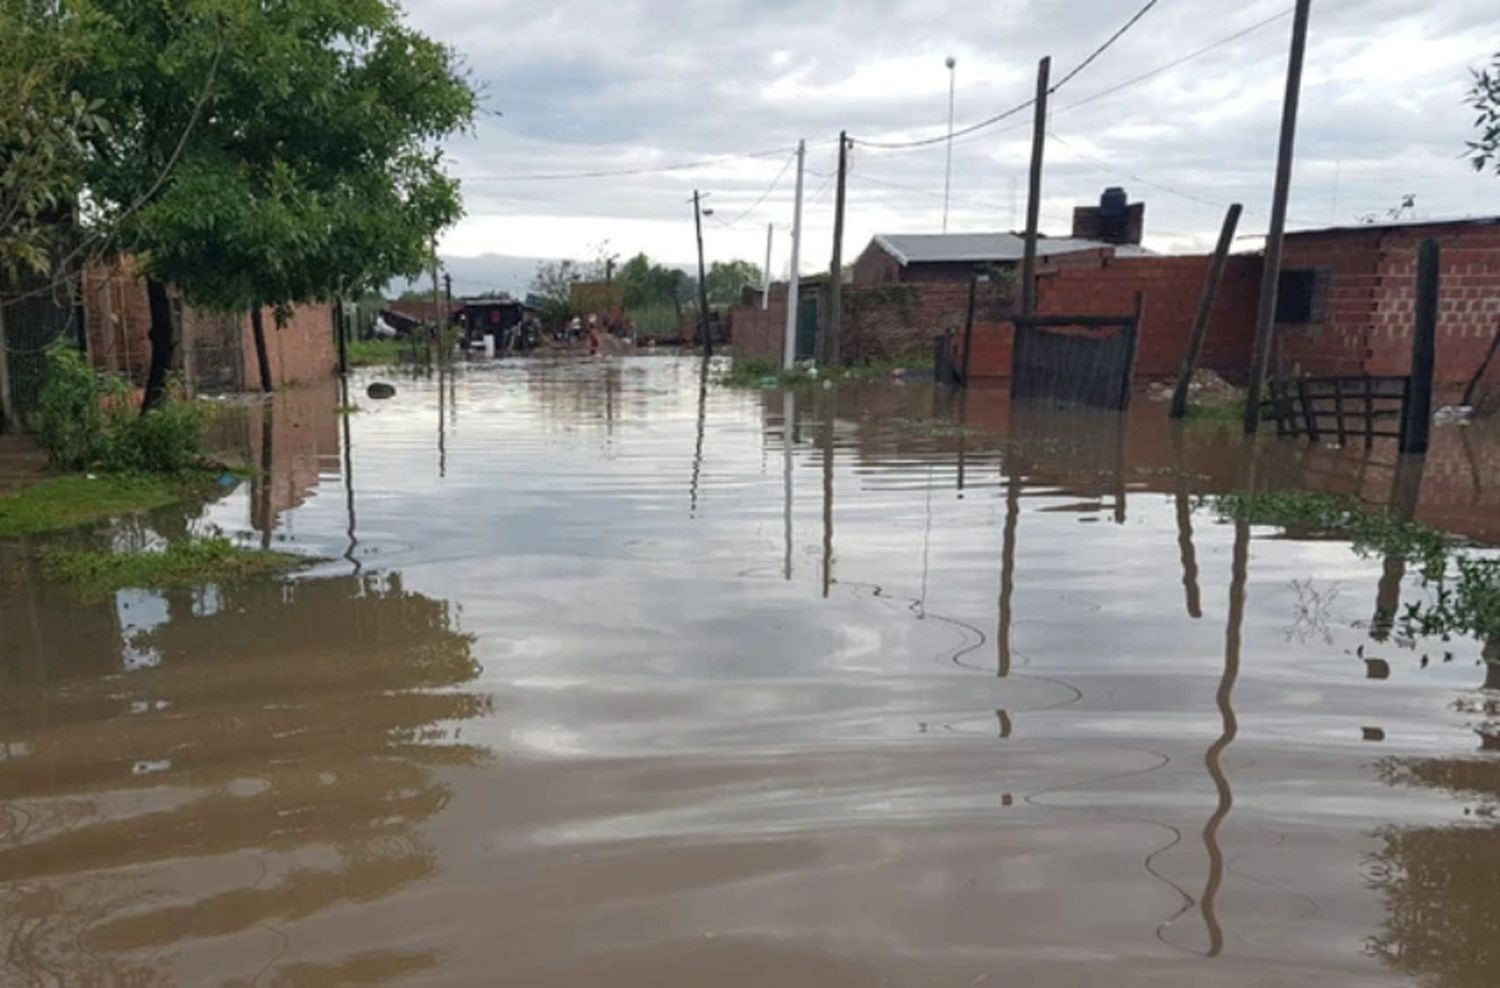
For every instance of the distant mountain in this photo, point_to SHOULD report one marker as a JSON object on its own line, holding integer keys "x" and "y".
{"x": 477, "y": 275}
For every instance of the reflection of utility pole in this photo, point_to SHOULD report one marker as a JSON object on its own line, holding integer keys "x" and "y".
{"x": 1008, "y": 561}
{"x": 698, "y": 446}
{"x": 1406, "y": 491}
{"x": 788, "y": 417}
{"x": 828, "y": 496}
{"x": 349, "y": 552}
{"x": 1185, "y": 527}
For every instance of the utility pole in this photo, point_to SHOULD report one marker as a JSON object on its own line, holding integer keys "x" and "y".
{"x": 789, "y": 345}
{"x": 1034, "y": 189}
{"x": 948, "y": 168}
{"x": 708, "y": 343}
{"x": 832, "y": 354}
{"x": 765, "y": 280}
{"x": 1270, "y": 274}
{"x": 437, "y": 306}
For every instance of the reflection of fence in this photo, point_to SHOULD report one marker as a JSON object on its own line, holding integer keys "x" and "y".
{"x": 1318, "y": 408}
{"x": 32, "y": 318}
{"x": 1076, "y": 360}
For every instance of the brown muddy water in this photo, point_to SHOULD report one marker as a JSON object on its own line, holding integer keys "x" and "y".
{"x": 601, "y": 684}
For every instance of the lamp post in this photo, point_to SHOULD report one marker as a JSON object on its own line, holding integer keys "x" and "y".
{"x": 948, "y": 170}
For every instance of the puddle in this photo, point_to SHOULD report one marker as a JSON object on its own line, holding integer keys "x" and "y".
{"x": 606, "y": 679}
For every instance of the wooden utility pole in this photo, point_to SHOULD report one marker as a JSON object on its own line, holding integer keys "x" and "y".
{"x": 708, "y": 343}
{"x": 1034, "y": 188}
{"x": 1270, "y": 274}
{"x": 1416, "y": 430}
{"x": 1205, "y": 309}
{"x": 439, "y": 323}
{"x": 793, "y": 281}
{"x": 831, "y": 353}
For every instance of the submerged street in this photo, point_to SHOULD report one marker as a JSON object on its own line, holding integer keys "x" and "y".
{"x": 604, "y": 677}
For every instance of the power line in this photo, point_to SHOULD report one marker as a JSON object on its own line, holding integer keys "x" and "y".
{"x": 763, "y": 196}
{"x": 1104, "y": 47}
{"x": 624, "y": 172}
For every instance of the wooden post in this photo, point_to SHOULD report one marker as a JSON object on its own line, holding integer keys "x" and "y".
{"x": 832, "y": 355}
{"x": 969, "y": 326}
{"x": 1134, "y": 345}
{"x": 341, "y": 328}
{"x": 1260, "y": 354}
{"x": 1034, "y": 189}
{"x": 1417, "y": 427}
{"x": 1205, "y": 309}
{"x": 7, "y": 404}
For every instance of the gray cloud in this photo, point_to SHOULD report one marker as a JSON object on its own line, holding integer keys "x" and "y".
{"x": 643, "y": 83}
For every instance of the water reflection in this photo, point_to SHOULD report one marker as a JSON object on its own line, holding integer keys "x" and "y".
{"x": 291, "y": 733}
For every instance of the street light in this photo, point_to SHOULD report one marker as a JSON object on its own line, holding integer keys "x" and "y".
{"x": 948, "y": 172}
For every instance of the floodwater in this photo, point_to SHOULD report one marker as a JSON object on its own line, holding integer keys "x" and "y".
{"x": 607, "y": 679}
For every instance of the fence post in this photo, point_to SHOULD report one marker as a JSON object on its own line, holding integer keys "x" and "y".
{"x": 1133, "y": 345}
{"x": 1418, "y": 421}
{"x": 1205, "y": 309}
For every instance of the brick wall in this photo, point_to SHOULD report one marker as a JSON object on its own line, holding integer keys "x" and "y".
{"x": 1365, "y": 321}
{"x": 299, "y": 350}
{"x": 217, "y": 349}
{"x": 1171, "y": 287}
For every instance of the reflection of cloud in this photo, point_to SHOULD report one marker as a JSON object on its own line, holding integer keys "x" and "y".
{"x": 277, "y": 762}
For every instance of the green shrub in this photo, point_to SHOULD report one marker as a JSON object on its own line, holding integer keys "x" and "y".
{"x": 69, "y": 416}
{"x": 85, "y": 420}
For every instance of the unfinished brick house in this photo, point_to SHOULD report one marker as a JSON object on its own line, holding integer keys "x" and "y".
{"x": 215, "y": 353}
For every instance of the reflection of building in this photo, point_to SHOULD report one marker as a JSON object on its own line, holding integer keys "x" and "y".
{"x": 273, "y": 764}
{"x": 1442, "y": 921}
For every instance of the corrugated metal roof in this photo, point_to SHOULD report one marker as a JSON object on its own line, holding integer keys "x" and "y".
{"x": 1392, "y": 224}
{"x": 928, "y": 248}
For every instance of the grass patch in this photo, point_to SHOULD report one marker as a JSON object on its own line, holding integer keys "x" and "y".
{"x": 374, "y": 353}
{"x": 1216, "y": 411}
{"x": 181, "y": 564}
{"x": 1463, "y": 589}
{"x": 756, "y": 372}
{"x": 67, "y": 502}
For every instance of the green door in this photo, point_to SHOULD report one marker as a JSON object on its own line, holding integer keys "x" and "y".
{"x": 807, "y": 326}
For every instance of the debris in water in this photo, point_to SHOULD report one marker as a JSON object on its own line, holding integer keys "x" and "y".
{"x": 380, "y": 389}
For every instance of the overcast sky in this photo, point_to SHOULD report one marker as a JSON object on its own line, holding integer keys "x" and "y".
{"x": 589, "y": 85}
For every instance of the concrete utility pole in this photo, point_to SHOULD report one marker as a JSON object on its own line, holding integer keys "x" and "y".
{"x": 948, "y": 168}
{"x": 1270, "y": 275}
{"x": 708, "y": 343}
{"x": 1034, "y": 189}
{"x": 831, "y": 355}
{"x": 789, "y": 345}
{"x": 765, "y": 278}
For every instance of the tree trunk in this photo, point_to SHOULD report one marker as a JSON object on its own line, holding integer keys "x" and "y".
{"x": 258, "y": 330}
{"x": 160, "y": 335}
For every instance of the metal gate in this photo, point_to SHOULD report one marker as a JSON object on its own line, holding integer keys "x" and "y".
{"x": 1076, "y": 360}
{"x": 808, "y": 307}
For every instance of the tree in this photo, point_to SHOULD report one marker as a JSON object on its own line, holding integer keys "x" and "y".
{"x": 45, "y": 124}
{"x": 266, "y": 155}
{"x": 1484, "y": 97}
{"x": 726, "y": 279}
{"x": 553, "y": 284}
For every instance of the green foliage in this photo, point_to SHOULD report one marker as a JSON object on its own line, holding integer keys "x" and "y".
{"x": 749, "y": 372}
{"x": 1484, "y": 97}
{"x": 272, "y": 153}
{"x": 84, "y": 420}
{"x": 648, "y": 288}
{"x": 553, "y": 284}
{"x": 68, "y": 502}
{"x": 69, "y": 416}
{"x": 727, "y": 279}
{"x": 374, "y": 353}
{"x": 189, "y": 563}
{"x": 46, "y": 126}
{"x": 1232, "y": 410}
{"x": 1464, "y": 589}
